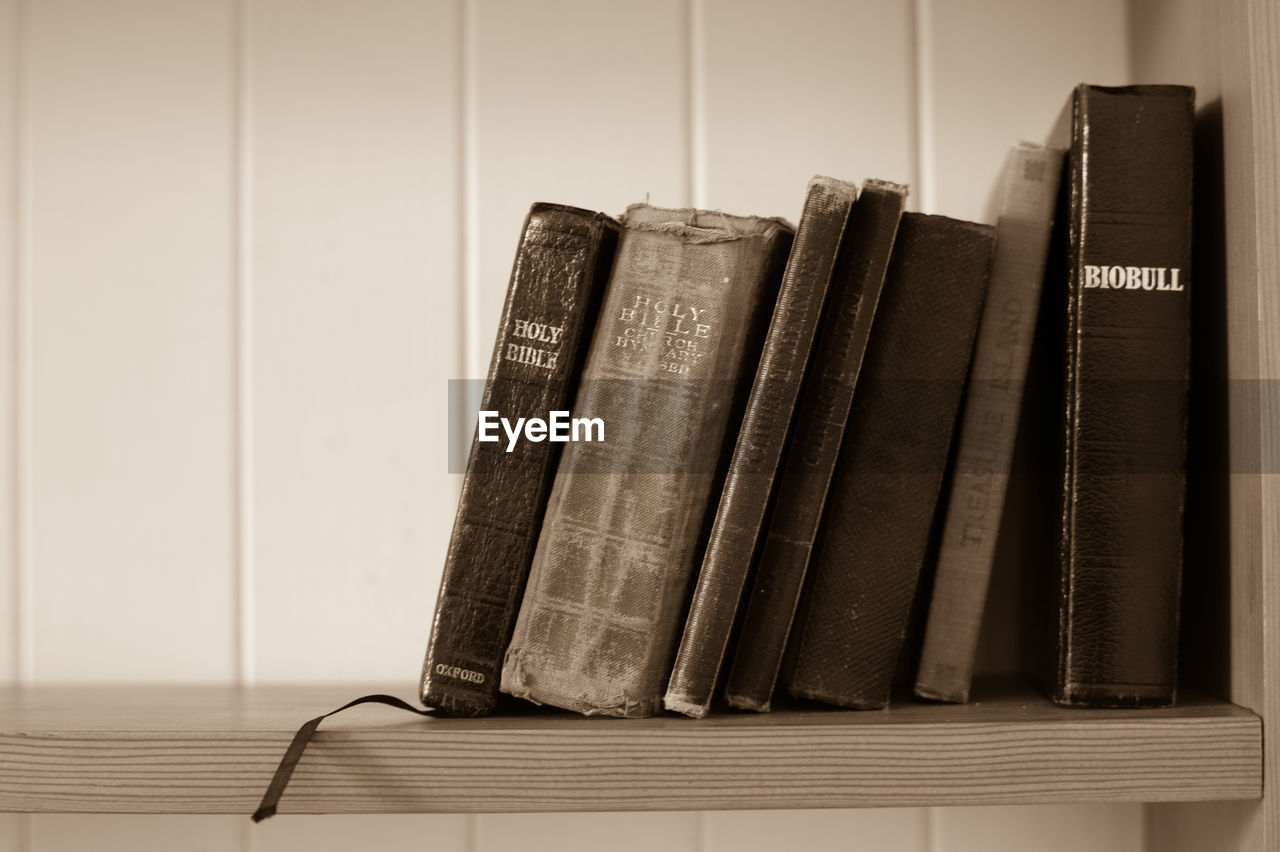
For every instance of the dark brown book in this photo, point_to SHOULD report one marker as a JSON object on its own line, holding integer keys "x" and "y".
{"x": 975, "y": 493}
{"x": 1122, "y": 292}
{"x": 744, "y": 500}
{"x": 880, "y": 507}
{"x": 815, "y": 442}
{"x": 560, "y": 269}
{"x": 668, "y": 374}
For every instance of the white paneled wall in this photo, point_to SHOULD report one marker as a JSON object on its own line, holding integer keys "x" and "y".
{"x": 244, "y": 244}
{"x": 1001, "y": 70}
{"x": 353, "y": 307}
{"x": 579, "y": 101}
{"x": 11, "y": 626}
{"x": 126, "y": 185}
{"x": 789, "y": 90}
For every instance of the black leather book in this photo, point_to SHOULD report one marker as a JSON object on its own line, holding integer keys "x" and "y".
{"x": 815, "y": 441}
{"x": 1121, "y": 291}
{"x": 880, "y": 507}
{"x": 668, "y": 374}
{"x": 744, "y": 499}
{"x": 561, "y": 265}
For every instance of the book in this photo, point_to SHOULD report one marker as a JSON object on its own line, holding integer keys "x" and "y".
{"x": 748, "y": 486}
{"x": 810, "y": 461}
{"x": 679, "y": 337}
{"x": 1121, "y": 293}
{"x": 880, "y": 506}
{"x": 989, "y": 423}
{"x": 561, "y": 266}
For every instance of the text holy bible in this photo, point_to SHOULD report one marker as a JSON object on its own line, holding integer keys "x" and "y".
{"x": 560, "y": 269}
{"x": 676, "y": 345}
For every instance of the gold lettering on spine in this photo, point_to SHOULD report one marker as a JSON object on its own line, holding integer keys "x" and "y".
{"x": 543, "y": 357}
{"x": 673, "y": 326}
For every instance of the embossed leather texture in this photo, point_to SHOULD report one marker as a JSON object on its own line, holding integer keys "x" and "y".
{"x": 874, "y": 532}
{"x": 670, "y": 364}
{"x": 1124, "y": 291}
{"x": 744, "y": 500}
{"x": 561, "y": 266}
{"x": 815, "y": 441}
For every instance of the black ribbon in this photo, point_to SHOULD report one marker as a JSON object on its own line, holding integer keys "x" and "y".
{"x": 293, "y": 754}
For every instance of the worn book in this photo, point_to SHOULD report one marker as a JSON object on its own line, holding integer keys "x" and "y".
{"x": 561, "y": 266}
{"x": 880, "y": 506}
{"x": 668, "y": 372}
{"x": 748, "y": 486}
{"x": 820, "y": 421}
{"x": 1121, "y": 293}
{"x": 988, "y": 426}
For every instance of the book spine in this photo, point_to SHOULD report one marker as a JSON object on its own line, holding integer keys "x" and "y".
{"x": 881, "y": 503}
{"x": 748, "y": 485}
{"x": 815, "y": 441}
{"x": 1126, "y": 370}
{"x": 989, "y": 423}
{"x": 556, "y": 283}
{"x": 669, "y": 367}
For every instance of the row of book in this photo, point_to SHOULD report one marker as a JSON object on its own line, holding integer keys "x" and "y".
{"x": 794, "y": 426}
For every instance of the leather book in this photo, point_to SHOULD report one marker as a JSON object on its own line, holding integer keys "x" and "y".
{"x": 989, "y": 424}
{"x": 810, "y": 461}
{"x": 1122, "y": 294}
{"x": 670, "y": 365}
{"x": 744, "y": 499}
{"x": 561, "y": 266}
{"x": 881, "y": 503}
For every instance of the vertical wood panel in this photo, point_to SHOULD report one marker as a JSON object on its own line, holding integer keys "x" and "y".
{"x": 355, "y": 305}
{"x": 577, "y": 102}
{"x": 1045, "y": 828}
{"x": 11, "y": 839}
{"x": 804, "y": 88}
{"x": 10, "y": 624}
{"x": 1001, "y": 72}
{"x": 383, "y": 832}
{"x": 879, "y": 830}
{"x": 121, "y": 833}
{"x": 588, "y": 832}
{"x": 1231, "y": 51}
{"x": 130, "y": 151}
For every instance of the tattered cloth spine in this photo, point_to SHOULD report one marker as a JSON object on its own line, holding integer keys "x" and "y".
{"x": 748, "y": 486}
{"x": 675, "y": 346}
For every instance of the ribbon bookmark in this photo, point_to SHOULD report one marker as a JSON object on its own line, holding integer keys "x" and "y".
{"x": 293, "y": 754}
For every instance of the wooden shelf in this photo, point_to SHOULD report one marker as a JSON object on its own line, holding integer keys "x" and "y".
{"x": 213, "y": 749}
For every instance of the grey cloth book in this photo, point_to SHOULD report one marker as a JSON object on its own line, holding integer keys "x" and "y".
{"x": 989, "y": 423}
